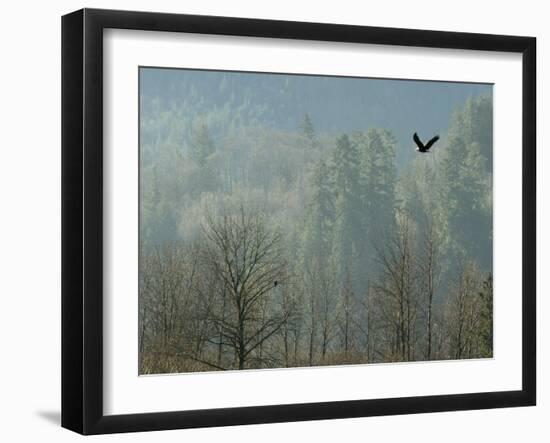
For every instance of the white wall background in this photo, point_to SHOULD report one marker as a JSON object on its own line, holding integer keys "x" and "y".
{"x": 30, "y": 219}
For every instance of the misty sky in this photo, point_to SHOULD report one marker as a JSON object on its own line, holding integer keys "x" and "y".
{"x": 335, "y": 104}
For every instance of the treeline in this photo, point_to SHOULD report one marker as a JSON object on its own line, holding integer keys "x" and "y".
{"x": 275, "y": 249}
{"x": 233, "y": 300}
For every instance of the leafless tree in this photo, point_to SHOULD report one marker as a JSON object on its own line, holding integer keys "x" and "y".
{"x": 321, "y": 289}
{"x": 430, "y": 273}
{"x": 167, "y": 302}
{"x": 396, "y": 290}
{"x": 347, "y": 316}
{"x": 162, "y": 288}
{"x": 463, "y": 313}
{"x": 247, "y": 259}
{"x": 291, "y": 329}
{"x": 311, "y": 273}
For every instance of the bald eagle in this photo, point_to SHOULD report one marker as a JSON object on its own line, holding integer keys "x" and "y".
{"x": 424, "y": 148}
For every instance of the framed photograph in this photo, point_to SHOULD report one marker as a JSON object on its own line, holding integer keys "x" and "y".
{"x": 268, "y": 221}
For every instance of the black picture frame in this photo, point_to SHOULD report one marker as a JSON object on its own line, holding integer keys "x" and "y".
{"x": 82, "y": 221}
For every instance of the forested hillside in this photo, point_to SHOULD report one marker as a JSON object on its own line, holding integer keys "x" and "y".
{"x": 287, "y": 221}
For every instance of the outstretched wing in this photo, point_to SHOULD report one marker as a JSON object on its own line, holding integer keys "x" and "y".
{"x": 431, "y": 142}
{"x": 418, "y": 142}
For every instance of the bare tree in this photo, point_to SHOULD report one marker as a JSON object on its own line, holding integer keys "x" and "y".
{"x": 347, "y": 317}
{"x": 396, "y": 290}
{"x": 291, "y": 328}
{"x": 167, "y": 303}
{"x": 485, "y": 335}
{"x": 321, "y": 288}
{"x": 312, "y": 315}
{"x": 364, "y": 323}
{"x": 162, "y": 289}
{"x": 463, "y": 313}
{"x": 430, "y": 273}
{"x": 248, "y": 261}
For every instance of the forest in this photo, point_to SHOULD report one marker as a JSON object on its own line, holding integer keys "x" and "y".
{"x": 278, "y": 234}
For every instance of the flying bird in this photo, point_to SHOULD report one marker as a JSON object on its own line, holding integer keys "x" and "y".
{"x": 424, "y": 148}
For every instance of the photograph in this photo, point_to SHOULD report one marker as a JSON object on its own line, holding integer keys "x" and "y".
{"x": 290, "y": 220}
{"x": 275, "y": 222}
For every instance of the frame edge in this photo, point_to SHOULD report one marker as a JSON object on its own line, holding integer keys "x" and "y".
{"x": 82, "y": 230}
{"x": 72, "y": 221}
{"x": 529, "y": 192}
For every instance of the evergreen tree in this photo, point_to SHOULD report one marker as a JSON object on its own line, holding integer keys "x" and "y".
{"x": 376, "y": 192}
{"x": 158, "y": 218}
{"x": 307, "y": 130}
{"x": 477, "y": 126}
{"x": 349, "y": 222}
{"x": 465, "y": 188}
{"x": 202, "y": 145}
{"x": 320, "y": 220}
{"x": 379, "y": 177}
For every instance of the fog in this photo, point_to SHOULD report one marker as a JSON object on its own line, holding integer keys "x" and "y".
{"x": 287, "y": 220}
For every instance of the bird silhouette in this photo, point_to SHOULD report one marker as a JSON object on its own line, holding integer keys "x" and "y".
{"x": 424, "y": 148}
{"x": 275, "y": 283}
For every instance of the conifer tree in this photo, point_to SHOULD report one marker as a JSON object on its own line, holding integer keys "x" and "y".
{"x": 202, "y": 145}
{"x": 307, "y": 129}
{"x": 320, "y": 220}
{"x": 377, "y": 179}
{"x": 348, "y": 221}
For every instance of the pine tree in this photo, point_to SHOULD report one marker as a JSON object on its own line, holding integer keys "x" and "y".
{"x": 464, "y": 188}
{"x": 320, "y": 219}
{"x": 477, "y": 126}
{"x": 307, "y": 129}
{"x": 348, "y": 224}
{"x": 377, "y": 178}
{"x": 158, "y": 218}
{"x": 202, "y": 145}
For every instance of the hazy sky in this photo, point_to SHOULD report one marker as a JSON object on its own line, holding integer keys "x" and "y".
{"x": 335, "y": 104}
